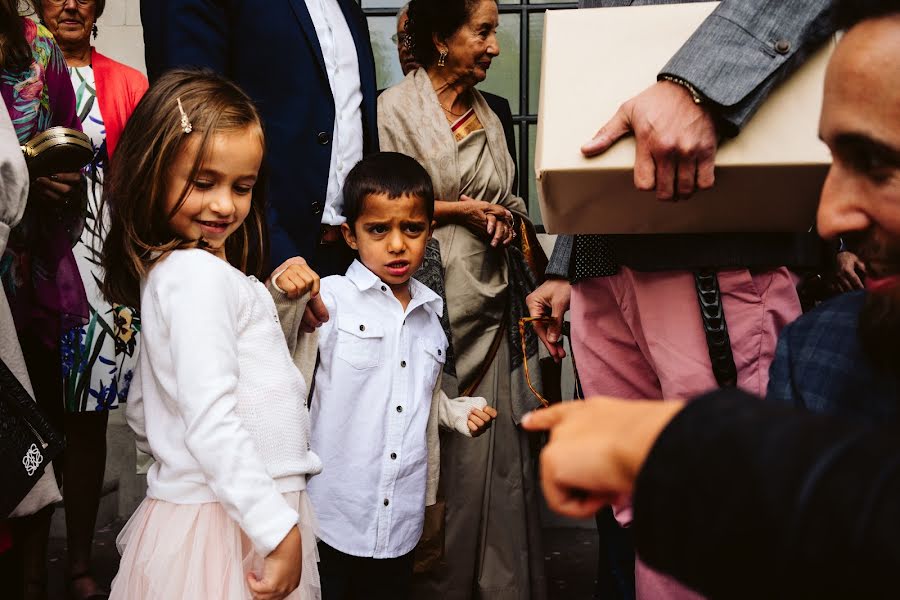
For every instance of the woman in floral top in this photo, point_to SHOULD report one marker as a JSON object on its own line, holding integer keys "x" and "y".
{"x": 98, "y": 357}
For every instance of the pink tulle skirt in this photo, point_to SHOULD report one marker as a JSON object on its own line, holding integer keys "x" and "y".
{"x": 174, "y": 551}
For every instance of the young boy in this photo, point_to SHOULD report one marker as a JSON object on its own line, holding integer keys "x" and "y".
{"x": 376, "y": 403}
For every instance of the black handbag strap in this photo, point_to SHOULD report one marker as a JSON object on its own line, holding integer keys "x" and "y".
{"x": 712, "y": 312}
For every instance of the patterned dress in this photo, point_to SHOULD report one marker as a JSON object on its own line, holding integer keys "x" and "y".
{"x": 98, "y": 358}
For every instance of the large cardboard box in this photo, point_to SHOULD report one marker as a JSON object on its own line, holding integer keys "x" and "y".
{"x": 768, "y": 178}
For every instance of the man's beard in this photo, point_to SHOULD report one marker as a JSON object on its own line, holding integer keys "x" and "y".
{"x": 879, "y": 321}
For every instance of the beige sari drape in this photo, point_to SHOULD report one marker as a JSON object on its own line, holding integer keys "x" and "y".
{"x": 492, "y": 543}
{"x": 411, "y": 121}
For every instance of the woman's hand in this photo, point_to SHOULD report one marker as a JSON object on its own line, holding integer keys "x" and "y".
{"x": 850, "y": 272}
{"x": 281, "y": 569}
{"x": 56, "y": 188}
{"x": 490, "y": 221}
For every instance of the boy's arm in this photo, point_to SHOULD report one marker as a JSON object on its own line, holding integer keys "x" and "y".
{"x": 453, "y": 413}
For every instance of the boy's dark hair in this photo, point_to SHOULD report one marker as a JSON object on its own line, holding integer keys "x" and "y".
{"x": 850, "y": 12}
{"x": 389, "y": 173}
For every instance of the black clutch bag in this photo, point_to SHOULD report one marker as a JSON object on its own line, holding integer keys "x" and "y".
{"x": 57, "y": 150}
{"x": 27, "y": 442}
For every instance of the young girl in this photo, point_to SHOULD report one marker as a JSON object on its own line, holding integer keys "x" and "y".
{"x": 217, "y": 404}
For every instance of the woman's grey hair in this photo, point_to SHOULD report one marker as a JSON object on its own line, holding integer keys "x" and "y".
{"x": 403, "y": 10}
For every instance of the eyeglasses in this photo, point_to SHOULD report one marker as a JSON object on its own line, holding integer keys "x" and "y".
{"x": 400, "y": 38}
{"x": 78, "y": 2}
{"x": 523, "y": 322}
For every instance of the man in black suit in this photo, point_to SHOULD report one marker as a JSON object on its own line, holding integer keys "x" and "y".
{"x": 308, "y": 65}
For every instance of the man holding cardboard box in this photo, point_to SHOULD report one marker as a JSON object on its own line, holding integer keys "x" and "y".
{"x": 782, "y": 503}
{"x": 637, "y": 329}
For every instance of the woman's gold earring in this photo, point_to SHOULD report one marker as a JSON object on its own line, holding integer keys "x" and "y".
{"x": 442, "y": 59}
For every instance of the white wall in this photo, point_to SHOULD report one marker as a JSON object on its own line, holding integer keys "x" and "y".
{"x": 121, "y": 36}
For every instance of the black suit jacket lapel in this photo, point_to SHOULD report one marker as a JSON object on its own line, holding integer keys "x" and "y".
{"x": 302, "y": 14}
{"x": 359, "y": 29}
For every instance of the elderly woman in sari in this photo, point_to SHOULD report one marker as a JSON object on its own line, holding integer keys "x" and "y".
{"x": 492, "y": 543}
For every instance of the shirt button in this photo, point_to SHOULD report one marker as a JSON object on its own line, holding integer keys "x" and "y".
{"x": 323, "y": 138}
{"x": 386, "y": 501}
{"x": 393, "y": 456}
{"x": 362, "y": 327}
{"x": 403, "y": 364}
{"x": 782, "y": 46}
{"x": 439, "y": 351}
{"x": 399, "y": 409}
{"x": 384, "y": 288}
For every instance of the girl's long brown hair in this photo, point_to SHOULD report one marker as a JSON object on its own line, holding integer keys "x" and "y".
{"x": 137, "y": 185}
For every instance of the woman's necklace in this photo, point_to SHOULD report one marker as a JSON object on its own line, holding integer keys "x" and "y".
{"x": 437, "y": 92}
{"x": 447, "y": 110}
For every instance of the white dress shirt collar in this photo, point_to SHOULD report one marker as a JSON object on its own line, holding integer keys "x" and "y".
{"x": 421, "y": 294}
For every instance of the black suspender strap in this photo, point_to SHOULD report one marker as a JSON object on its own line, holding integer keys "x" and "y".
{"x": 713, "y": 315}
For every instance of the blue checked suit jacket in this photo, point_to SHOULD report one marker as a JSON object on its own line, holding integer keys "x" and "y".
{"x": 820, "y": 366}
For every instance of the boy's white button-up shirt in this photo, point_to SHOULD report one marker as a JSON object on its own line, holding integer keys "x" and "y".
{"x": 372, "y": 399}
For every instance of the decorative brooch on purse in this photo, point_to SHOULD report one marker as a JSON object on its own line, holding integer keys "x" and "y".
{"x": 57, "y": 150}
{"x": 27, "y": 441}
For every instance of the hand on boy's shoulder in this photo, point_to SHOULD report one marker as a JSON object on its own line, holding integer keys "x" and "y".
{"x": 480, "y": 420}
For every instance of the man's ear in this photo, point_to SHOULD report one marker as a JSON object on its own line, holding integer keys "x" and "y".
{"x": 349, "y": 236}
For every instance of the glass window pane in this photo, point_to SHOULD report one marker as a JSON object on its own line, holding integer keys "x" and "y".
{"x": 503, "y": 76}
{"x": 516, "y": 130}
{"x": 535, "y": 44}
{"x": 387, "y": 65}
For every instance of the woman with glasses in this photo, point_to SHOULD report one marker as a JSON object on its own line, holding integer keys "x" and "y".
{"x": 98, "y": 357}
{"x": 436, "y": 115}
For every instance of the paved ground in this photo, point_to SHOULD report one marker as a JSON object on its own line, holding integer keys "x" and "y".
{"x": 571, "y": 559}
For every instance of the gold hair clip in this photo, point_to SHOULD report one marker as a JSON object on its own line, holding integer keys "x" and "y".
{"x": 185, "y": 122}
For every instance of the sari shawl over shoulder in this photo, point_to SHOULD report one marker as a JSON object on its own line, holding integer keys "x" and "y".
{"x": 486, "y": 287}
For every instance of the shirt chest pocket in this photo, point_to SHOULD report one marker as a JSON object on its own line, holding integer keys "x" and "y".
{"x": 360, "y": 342}
{"x": 434, "y": 355}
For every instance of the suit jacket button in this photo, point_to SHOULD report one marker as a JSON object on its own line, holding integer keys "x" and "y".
{"x": 323, "y": 138}
{"x": 316, "y": 208}
{"x": 782, "y": 46}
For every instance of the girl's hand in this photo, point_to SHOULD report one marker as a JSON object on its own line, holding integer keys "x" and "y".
{"x": 295, "y": 278}
{"x": 481, "y": 420}
{"x": 56, "y": 188}
{"x": 490, "y": 221}
{"x": 281, "y": 569}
